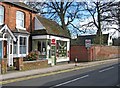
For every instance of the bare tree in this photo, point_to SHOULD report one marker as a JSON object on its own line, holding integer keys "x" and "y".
{"x": 70, "y": 14}
{"x": 98, "y": 11}
{"x": 65, "y": 13}
{"x": 115, "y": 15}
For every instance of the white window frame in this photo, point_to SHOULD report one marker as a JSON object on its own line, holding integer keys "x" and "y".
{"x": 2, "y": 15}
{"x": 18, "y": 46}
{"x": 18, "y": 18}
{"x": 23, "y": 43}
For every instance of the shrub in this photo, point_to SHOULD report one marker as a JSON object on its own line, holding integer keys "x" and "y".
{"x": 33, "y": 55}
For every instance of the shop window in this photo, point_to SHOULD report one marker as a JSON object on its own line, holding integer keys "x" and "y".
{"x": 62, "y": 48}
{"x": 42, "y": 47}
{"x": 1, "y": 15}
{"x": 23, "y": 45}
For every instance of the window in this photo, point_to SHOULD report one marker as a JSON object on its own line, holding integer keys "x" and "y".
{"x": 42, "y": 47}
{"x": 62, "y": 48}
{"x": 15, "y": 48}
{"x": 1, "y": 15}
{"x": 23, "y": 45}
{"x": 19, "y": 19}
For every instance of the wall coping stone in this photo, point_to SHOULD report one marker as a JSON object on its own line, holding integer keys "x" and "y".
{"x": 33, "y": 61}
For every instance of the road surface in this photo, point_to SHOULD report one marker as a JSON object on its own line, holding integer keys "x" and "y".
{"x": 102, "y": 75}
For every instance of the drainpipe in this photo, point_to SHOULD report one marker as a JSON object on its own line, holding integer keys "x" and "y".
{"x": 30, "y": 48}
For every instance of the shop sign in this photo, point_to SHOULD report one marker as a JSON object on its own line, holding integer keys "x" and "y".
{"x": 53, "y": 42}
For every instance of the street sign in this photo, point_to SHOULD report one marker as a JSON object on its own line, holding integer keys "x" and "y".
{"x": 88, "y": 43}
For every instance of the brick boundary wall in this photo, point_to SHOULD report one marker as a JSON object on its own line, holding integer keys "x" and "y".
{"x": 29, "y": 65}
{"x": 19, "y": 64}
{"x": 96, "y": 52}
{"x": 104, "y": 52}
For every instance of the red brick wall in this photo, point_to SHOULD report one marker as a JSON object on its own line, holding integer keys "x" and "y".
{"x": 94, "y": 53}
{"x": 29, "y": 65}
{"x": 10, "y": 16}
{"x": 104, "y": 52}
{"x": 80, "y": 52}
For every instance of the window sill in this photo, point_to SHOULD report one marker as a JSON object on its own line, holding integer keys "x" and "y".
{"x": 19, "y": 27}
{"x": 19, "y": 55}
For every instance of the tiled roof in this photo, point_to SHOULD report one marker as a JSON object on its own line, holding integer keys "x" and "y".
{"x": 51, "y": 27}
{"x": 20, "y": 31}
{"x": 23, "y": 5}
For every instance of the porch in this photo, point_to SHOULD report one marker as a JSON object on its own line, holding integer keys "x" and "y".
{"x": 13, "y": 44}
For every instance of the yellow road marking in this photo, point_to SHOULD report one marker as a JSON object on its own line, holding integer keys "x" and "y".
{"x": 36, "y": 76}
{"x": 43, "y": 75}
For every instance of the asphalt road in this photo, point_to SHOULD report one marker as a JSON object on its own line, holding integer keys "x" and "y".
{"x": 106, "y": 75}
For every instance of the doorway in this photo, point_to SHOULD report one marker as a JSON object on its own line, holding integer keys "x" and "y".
{"x": 10, "y": 52}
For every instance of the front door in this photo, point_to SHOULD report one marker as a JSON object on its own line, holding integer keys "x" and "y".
{"x": 10, "y": 52}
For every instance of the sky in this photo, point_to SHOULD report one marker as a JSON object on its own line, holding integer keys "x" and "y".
{"x": 79, "y": 23}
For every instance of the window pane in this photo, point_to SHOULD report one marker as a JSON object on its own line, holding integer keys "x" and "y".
{"x": 22, "y": 49}
{"x": 1, "y": 15}
{"x": 39, "y": 47}
{"x": 42, "y": 47}
{"x": 62, "y": 48}
{"x": 22, "y": 40}
{"x": 1, "y": 19}
{"x": 15, "y": 48}
{"x": 23, "y": 45}
{"x": 1, "y": 10}
{"x": 10, "y": 49}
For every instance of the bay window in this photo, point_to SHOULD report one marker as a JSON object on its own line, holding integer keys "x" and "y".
{"x": 1, "y": 15}
{"x": 23, "y": 45}
{"x": 20, "y": 19}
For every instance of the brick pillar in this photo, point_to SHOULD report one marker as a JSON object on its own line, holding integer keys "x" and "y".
{"x": 4, "y": 66}
{"x": 18, "y": 63}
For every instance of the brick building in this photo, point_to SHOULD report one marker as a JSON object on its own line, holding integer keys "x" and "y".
{"x": 15, "y": 27}
{"x": 17, "y": 22}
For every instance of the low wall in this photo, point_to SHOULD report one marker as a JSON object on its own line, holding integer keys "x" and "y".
{"x": 96, "y": 52}
{"x": 29, "y": 65}
{"x": 104, "y": 52}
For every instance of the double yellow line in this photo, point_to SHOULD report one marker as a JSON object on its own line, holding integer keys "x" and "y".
{"x": 37, "y": 76}
{"x": 45, "y": 74}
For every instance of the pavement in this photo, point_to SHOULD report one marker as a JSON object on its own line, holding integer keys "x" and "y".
{"x": 81, "y": 65}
